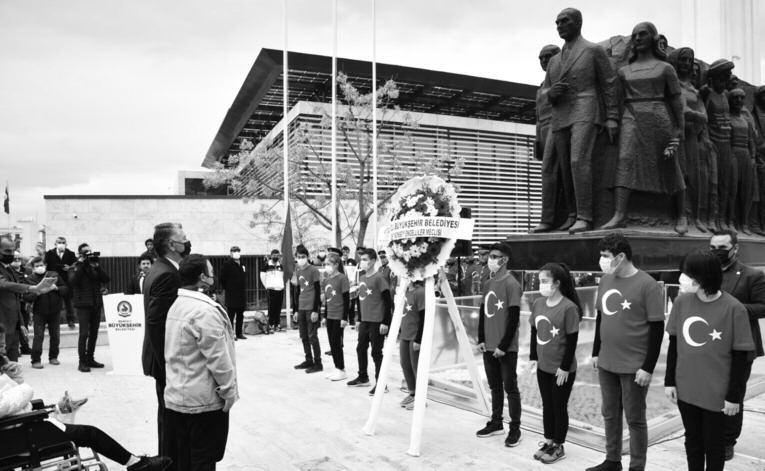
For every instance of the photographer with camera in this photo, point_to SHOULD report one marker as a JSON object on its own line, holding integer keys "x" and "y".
{"x": 87, "y": 280}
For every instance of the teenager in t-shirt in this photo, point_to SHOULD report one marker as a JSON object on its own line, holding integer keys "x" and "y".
{"x": 375, "y": 307}
{"x": 308, "y": 305}
{"x": 629, "y": 329}
{"x": 410, "y": 338}
{"x": 709, "y": 343}
{"x": 554, "y": 334}
{"x": 336, "y": 301}
{"x": 498, "y": 321}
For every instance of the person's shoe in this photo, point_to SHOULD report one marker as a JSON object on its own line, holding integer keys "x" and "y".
{"x": 304, "y": 365}
{"x": 681, "y": 227}
{"x": 407, "y": 400}
{"x": 543, "y": 447}
{"x": 372, "y": 391}
{"x": 95, "y": 364}
{"x": 729, "y": 453}
{"x": 54, "y": 361}
{"x": 359, "y": 382}
{"x": 83, "y": 367}
{"x": 541, "y": 227}
{"x": 579, "y": 226}
{"x": 570, "y": 221}
{"x": 492, "y": 428}
{"x": 607, "y": 466}
{"x": 151, "y": 463}
{"x": 554, "y": 453}
{"x": 410, "y": 406}
{"x": 513, "y": 437}
{"x": 37, "y": 365}
{"x": 338, "y": 375}
{"x": 315, "y": 368}
{"x": 700, "y": 226}
{"x": 241, "y": 337}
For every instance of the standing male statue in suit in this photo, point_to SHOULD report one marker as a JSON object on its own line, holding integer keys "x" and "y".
{"x": 582, "y": 92}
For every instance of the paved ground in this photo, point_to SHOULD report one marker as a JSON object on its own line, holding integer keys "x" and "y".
{"x": 287, "y": 420}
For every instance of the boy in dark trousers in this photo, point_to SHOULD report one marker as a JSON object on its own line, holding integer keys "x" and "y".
{"x": 308, "y": 286}
{"x": 46, "y": 309}
{"x": 498, "y": 340}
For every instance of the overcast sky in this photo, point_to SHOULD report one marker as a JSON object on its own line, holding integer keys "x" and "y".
{"x": 114, "y": 97}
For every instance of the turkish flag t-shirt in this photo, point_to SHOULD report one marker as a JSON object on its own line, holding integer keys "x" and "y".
{"x": 707, "y": 334}
{"x": 414, "y": 302}
{"x": 306, "y": 279}
{"x": 499, "y": 294}
{"x": 626, "y": 307}
{"x": 334, "y": 288}
{"x": 370, "y": 297}
{"x": 553, "y": 324}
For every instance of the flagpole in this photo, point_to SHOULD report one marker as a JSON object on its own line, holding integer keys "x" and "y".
{"x": 285, "y": 149}
{"x": 333, "y": 151}
{"x": 374, "y": 125}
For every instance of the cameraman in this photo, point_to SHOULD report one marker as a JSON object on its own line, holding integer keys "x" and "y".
{"x": 86, "y": 279}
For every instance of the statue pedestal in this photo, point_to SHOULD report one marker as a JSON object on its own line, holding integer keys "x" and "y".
{"x": 651, "y": 250}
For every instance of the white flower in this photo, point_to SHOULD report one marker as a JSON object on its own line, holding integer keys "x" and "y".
{"x": 411, "y": 201}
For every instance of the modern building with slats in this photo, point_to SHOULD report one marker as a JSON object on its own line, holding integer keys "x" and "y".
{"x": 488, "y": 125}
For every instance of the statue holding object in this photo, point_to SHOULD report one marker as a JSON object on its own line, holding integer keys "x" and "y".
{"x": 743, "y": 152}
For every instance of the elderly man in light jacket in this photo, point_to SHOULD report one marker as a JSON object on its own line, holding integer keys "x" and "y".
{"x": 200, "y": 370}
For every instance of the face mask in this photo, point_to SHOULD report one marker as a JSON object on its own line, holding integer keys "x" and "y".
{"x": 322, "y": 254}
{"x": 687, "y": 284}
{"x": 606, "y": 265}
{"x": 61, "y": 247}
{"x": 40, "y": 270}
{"x": 494, "y": 265}
{"x": 302, "y": 262}
{"x": 545, "y": 289}
{"x": 186, "y": 249}
{"x": 724, "y": 255}
{"x": 330, "y": 269}
{"x": 236, "y": 255}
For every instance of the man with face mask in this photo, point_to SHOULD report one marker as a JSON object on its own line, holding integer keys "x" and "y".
{"x": 308, "y": 301}
{"x": 160, "y": 289}
{"x": 747, "y": 285}
{"x": 233, "y": 280}
{"x": 88, "y": 281}
{"x": 60, "y": 259}
{"x": 46, "y": 309}
{"x": 629, "y": 329}
{"x": 18, "y": 265}
{"x": 275, "y": 296}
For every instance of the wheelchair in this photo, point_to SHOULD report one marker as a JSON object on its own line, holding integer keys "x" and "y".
{"x": 30, "y": 442}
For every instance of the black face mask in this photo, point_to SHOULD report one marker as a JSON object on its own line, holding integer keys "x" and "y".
{"x": 724, "y": 255}
{"x": 186, "y": 249}
{"x": 7, "y": 258}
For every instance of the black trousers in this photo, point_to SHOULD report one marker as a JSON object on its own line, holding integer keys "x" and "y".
{"x": 703, "y": 437}
{"x": 352, "y": 308}
{"x": 732, "y": 423}
{"x": 335, "y": 335}
{"x": 275, "y": 302}
{"x": 500, "y": 372}
{"x": 200, "y": 439}
{"x": 309, "y": 335}
{"x": 555, "y": 404}
{"x": 409, "y": 358}
{"x": 90, "y": 320}
{"x": 165, "y": 444}
{"x": 70, "y": 316}
{"x": 236, "y": 314}
{"x": 369, "y": 334}
{"x": 53, "y": 323}
{"x": 87, "y": 436}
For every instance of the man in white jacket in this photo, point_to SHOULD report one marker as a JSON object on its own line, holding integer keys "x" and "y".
{"x": 200, "y": 370}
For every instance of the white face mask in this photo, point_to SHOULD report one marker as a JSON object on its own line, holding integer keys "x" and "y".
{"x": 236, "y": 255}
{"x": 61, "y": 247}
{"x": 688, "y": 284}
{"x": 302, "y": 262}
{"x": 494, "y": 264}
{"x": 546, "y": 289}
{"x": 40, "y": 270}
{"x": 606, "y": 265}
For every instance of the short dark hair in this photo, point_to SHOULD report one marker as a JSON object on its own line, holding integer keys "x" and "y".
{"x": 191, "y": 267}
{"x": 162, "y": 234}
{"x": 81, "y": 246}
{"x": 360, "y": 248}
{"x": 37, "y": 259}
{"x": 275, "y": 252}
{"x": 371, "y": 253}
{"x": 727, "y": 232}
{"x": 145, "y": 256}
{"x": 147, "y": 241}
{"x": 705, "y": 268}
{"x": 616, "y": 243}
{"x": 301, "y": 250}
{"x": 502, "y": 247}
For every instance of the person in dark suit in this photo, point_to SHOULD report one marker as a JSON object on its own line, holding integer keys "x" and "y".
{"x": 233, "y": 280}
{"x": 145, "y": 262}
{"x": 88, "y": 281}
{"x": 748, "y": 286}
{"x": 160, "y": 289}
{"x": 60, "y": 259}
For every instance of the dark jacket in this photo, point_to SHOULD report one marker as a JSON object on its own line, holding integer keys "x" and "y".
{"x": 11, "y": 289}
{"x": 57, "y": 264}
{"x": 160, "y": 288}
{"x": 48, "y": 304}
{"x": 748, "y": 286}
{"x": 86, "y": 281}
{"x": 233, "y": 280}
{"x": 134, "y": 287}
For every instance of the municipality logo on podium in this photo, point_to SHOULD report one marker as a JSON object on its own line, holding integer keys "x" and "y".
{"x": 125, "y": 327}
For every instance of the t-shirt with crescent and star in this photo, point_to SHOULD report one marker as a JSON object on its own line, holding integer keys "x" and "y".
{"x": 707, "y": 333}
{"x": 306, "y": 278}
{"x": 414, "y": 303}
{"x": 553, "y": 325}
{"x": 370, "y": 297}
{"x": 334, "y": 288}
{"x": 627, "y": 305}
{"x": 499, "y": 294}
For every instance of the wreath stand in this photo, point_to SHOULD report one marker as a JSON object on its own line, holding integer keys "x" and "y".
{"x": 423, "y": 364}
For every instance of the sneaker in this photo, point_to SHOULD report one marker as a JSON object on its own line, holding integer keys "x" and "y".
{"x": 95, "y": 364}
{"x": 338, "y": 375}
{"x": 37, "y": 365}
{"x": 607, "y": 466}
{"x": 315, "y": 368}
{"x": 728, "y": 451}
{"x": 359, "y": 382}
{"x": 407, "y": 400}
{"x": 513, "y": 437}
{"x": 543, "y": 447}
{"x": 554, "y": 453}
{"x": 83, "y": 367}
{"x": 372, "y": 391}
{"x": 492, "y": 428}
{"x": 54, "y": 361}
{"x": 151, "y": 463}
{"x": 304, "y": 365}
{"x": 241, "y": 337}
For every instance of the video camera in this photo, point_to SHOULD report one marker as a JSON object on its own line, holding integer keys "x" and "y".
{"x": 88, "y": 255}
